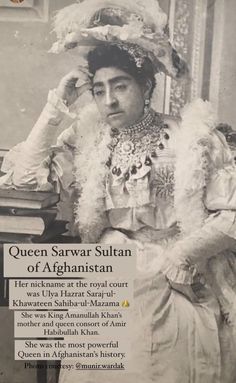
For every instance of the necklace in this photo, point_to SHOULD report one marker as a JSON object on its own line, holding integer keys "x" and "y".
{"x": 140, "y": 126}
{"x": 134, "y": 147}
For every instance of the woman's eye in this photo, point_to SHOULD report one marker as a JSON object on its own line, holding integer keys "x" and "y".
{"x": 121, "y": 87}
{"x": 98, "y": 93}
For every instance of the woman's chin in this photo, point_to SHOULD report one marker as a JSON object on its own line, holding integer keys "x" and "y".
{"x": 117, "y": 120}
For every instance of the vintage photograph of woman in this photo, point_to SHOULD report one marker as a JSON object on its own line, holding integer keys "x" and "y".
{"x": 130, "y": 173}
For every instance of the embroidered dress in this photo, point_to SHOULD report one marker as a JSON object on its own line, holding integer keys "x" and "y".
{"x": 139, "y": 199}
{"x": 173, "y": 340}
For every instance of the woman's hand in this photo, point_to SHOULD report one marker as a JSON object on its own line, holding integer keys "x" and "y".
{"x": 73, "y": 85}
{"x": 192, "y": 290}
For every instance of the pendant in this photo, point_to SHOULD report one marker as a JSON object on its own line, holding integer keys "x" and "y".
{"x": 148, "y": 161}
{"x": 114, "y": 170}
{"x": 108, "y": 163}
{"x": 127, "y": 176}
{"x": 166, "y": 136}
{"x": 133, "y": 169}
{"x": 139, "y": 165}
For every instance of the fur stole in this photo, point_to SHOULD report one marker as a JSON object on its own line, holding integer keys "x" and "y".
{"x": 192, "y": 169}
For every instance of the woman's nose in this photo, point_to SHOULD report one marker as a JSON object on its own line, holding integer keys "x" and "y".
{"x": 111, "y": 100}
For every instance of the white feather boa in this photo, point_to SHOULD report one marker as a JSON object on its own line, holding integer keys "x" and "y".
{"x": 93, "y": 138}
{"x": 191, "y": 173}
{"x": 193, "y": 152}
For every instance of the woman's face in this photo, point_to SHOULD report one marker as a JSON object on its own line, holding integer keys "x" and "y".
{"x": 120, "y": 99}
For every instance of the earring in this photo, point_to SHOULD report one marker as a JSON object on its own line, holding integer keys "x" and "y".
{"x": 146, "y": 105}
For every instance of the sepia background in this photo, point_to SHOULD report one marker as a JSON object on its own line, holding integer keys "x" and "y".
{"x": 203, "y": 31}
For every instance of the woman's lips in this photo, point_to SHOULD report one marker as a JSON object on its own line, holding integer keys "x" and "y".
{"x": 114, "y": 114}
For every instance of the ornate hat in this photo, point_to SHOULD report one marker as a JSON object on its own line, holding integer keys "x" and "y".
{"x": 137, "y": 26}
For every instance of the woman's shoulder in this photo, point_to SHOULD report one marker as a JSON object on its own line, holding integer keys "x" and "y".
{"x": 196, "y": 129}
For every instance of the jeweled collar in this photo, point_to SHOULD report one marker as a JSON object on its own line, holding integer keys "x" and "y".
{"x": 143, "y": 124}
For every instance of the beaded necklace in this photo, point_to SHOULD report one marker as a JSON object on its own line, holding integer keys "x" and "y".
{"x": 135, "y": 146}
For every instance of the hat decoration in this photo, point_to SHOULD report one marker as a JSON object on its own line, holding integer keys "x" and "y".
{"x": 137, "y": 26}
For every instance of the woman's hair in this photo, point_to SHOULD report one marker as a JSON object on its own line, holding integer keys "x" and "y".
{"x": 105, "y": 56}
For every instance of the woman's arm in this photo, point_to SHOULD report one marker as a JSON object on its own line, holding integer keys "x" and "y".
{"x": 35, "y": 151}
{"x": 215, "y": 194}
{"x": 34, "y": 154}
{"x": 205, "y": 198}
{"x": 198, "y": 247}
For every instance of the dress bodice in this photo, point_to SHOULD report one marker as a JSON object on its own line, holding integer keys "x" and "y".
{"x": 140, "y": 184}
